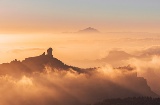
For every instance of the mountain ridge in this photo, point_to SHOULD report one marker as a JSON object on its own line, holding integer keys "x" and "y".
{"x": 37, "y": 64}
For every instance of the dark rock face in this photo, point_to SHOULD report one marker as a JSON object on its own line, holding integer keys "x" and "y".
{"x": 49, "y": 52}
{"x": 130, "y": 101}
{"x": 37, "y": 64}
{"x": 130, "y": 87}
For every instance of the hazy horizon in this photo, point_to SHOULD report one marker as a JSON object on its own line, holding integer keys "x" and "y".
{"x": 67, "y": 46}
{"x": 38, "y": 16}
{"x": 79, "y": 52}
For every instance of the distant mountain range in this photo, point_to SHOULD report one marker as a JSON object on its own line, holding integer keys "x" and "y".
{"x": 119, "y": 57}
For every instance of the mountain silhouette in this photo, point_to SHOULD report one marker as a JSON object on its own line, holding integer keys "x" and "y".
{"x": 89, "y": 30}
{"x": 130, "y": 101}
{"x": 130, "y": 86}
{"x": 37, "y": 64}
{"x": 117, "y": 55}
{"x": 154, "y": 50}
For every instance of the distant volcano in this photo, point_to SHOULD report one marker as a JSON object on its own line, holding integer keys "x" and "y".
{"x": 89, "y": 30}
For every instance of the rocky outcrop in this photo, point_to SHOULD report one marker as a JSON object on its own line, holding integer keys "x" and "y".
{"x": 127, "y": 85}
{"x": 130, "y": 101}
{"x": 37, "y": 64}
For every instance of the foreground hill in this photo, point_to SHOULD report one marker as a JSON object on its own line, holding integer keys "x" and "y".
{"x": 37, "y": 64}
{"x": 130, "y": 101}
{"x": 80, "y": 85}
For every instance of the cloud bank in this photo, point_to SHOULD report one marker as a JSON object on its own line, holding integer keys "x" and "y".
{"x": 54, "y": 87}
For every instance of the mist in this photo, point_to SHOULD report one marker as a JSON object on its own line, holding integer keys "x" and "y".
{"x": 69, "y": 87}
{"x": 68, "y": 46}
{"x": 149, "y": 69}
{"x": 62, "y": 87}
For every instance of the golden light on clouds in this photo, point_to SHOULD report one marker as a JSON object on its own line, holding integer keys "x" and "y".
{"x": 117, "y": 41}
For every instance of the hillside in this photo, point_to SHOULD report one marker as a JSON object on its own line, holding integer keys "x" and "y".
{"x": 37, "y": 64}
{"x": 130, "y": 101}
{"x": 76, "y": 84}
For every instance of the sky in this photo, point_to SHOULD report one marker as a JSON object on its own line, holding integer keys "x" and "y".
{"x": 29, "y": 27}
{"x": 41, "y": 16}
{"x": 129, "y": 35}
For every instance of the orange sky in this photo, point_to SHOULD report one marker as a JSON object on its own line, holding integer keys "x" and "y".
{"x": 59, "y": 27}
{"x": 38, "y": 16}
{"x": 73, "y": 47}
{"x": 28, "y": 24}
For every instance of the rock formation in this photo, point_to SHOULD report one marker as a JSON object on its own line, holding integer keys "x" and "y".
{"x": 37, "y": 64}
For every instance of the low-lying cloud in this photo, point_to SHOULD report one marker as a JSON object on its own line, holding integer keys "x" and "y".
{"x": 55, "y": 87}
{"x": 149, "y": 69}
{"x": 61, "y": 87}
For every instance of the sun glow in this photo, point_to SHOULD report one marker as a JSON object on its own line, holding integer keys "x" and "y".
{"x": 25, "y": 81}
{"x": 5, "y": 38}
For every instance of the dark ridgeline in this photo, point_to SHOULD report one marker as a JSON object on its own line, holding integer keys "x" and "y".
{"x": 130, "y": 101}
{"x": 132, "y": 85}
{"x": 37, "y": 64}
